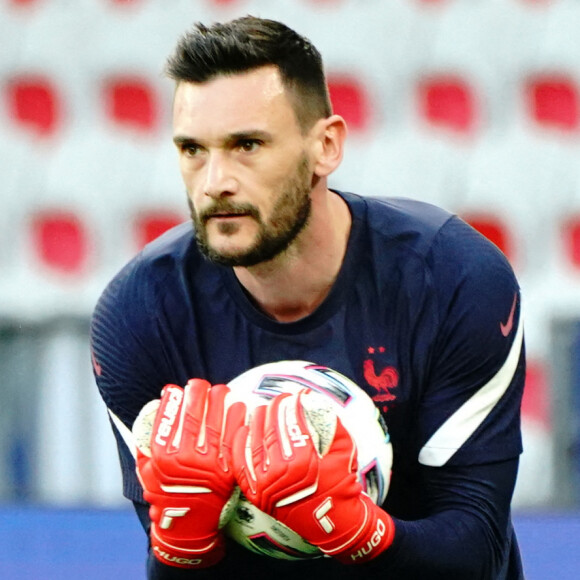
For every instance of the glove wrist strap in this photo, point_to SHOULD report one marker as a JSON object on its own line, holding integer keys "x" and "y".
{"x": 182, "y": 557}
{"x": 374, "y": 538}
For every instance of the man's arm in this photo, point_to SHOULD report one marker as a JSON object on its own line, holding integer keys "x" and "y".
{"x": 469, "y": 521}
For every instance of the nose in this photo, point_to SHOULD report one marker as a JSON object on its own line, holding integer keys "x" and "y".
{"x": 218, "y": 179}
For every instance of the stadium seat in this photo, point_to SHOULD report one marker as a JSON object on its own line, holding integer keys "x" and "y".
{"x": 554, "y": 101}
{"x": 131, "y": 102}
{"x": 60, "y": 241}
{"x": 34, "y": 104}
{"x": 349, "y": 99}
{"x": 448, "y": 102}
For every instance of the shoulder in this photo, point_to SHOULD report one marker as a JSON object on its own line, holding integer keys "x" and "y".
{"x": 426, "y": 256}
{"x": 435, "y": 236}
{"x": 167, "y": 253}
{"x": 399, "y": 224}
{"x": 129, "y": 327}
{"x": 428, "y": 243}
{"x": 159, "y": 268}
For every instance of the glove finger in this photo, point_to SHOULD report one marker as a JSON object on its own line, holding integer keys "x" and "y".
{"x": 287, "y": 434}
{"x": 235, "y": 418}
{"x": 243, "y": 471}
{"x": 234, "y": 421}
{"x": 216, "y": 408}
{"x": 248, "y": 450}
{"x": 239, "y": 449}
{"x": 194, "y": 415}
{"x": 343, "y": 445}
{"x": 255, "y": 451}
{"x": 166, "y": 419}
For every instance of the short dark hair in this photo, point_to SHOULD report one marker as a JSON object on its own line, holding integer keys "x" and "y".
{"x": 249, "y": 43}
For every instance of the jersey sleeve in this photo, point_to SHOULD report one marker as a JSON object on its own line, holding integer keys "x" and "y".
{"x": 128, "y": 361}
{"x": 470, "y": 408}
{"x": 469, "y": 533}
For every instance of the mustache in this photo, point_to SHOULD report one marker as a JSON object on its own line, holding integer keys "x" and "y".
{"x": 224, "y": 207}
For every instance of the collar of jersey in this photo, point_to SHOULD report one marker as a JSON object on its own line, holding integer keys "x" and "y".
{"x": 337, "y": 295}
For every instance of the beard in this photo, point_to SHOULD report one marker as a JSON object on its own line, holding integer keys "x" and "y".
{"x": 289, "y": 217}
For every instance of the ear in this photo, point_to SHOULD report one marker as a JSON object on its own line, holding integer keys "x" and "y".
{"x": 328, "y": 146}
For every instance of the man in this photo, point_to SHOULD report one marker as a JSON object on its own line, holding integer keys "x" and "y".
{"x": 402, "y": 297}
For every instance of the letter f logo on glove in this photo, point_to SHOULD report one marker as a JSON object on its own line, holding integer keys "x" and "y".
{"x": 321, "y": 515}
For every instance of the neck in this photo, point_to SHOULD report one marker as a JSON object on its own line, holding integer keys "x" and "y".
{"x": 295, "y": 283}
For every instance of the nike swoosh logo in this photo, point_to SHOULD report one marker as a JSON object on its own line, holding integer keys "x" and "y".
{"x": 507, "y": 327}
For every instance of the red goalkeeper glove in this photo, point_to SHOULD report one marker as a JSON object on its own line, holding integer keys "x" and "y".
{"x": 280, "y": 471}
{"x": 187, "y": 474}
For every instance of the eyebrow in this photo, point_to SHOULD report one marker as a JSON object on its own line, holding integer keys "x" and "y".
{"x": 181, "y": 139}
{"x": 260, "y": 134}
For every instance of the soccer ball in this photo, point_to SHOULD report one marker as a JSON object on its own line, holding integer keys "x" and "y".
{"x": 330, "y": 394}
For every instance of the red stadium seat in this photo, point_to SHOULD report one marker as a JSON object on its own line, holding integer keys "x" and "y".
{"x": 349, "y": 99}
{"x": 447, "y": 102}
{"x": 33, "y": 103}
{"x": 60, "y": 241}
{"x": 554, "y": 102}
{"x": 132, "y": 103}
{"x": 150, "y": 225}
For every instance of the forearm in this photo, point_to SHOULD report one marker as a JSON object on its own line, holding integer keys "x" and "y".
{"x": 464, "y": 537}
{"x": 450, "y": 545}
{"x": 467, "y": 533}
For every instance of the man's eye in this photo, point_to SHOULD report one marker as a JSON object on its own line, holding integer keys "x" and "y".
{"x": 248, "y": 145}
{"x": 190, "y": 150}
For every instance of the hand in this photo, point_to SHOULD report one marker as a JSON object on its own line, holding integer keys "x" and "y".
{"x": 280, "y": 471}
{"x": 187, "y": 474}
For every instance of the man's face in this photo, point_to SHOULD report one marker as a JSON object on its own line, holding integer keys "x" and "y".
{"x": 245, "y": 165}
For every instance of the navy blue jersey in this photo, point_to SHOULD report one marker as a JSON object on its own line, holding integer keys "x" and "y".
{"x": 424, "y": 316}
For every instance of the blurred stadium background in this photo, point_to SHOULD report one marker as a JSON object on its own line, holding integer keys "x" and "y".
{"x": 470, "y": 104}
